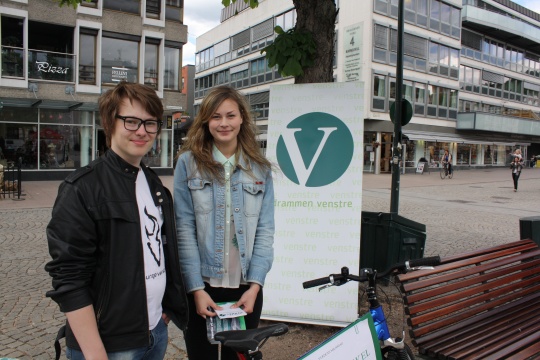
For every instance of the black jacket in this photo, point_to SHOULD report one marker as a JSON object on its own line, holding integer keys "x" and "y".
{"x": 95, "y": 243}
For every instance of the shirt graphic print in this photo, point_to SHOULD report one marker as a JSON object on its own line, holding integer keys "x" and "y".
{"x": 151, "y": 219}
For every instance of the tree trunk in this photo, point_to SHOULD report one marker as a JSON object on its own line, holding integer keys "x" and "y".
{"x": 318, "y": 17}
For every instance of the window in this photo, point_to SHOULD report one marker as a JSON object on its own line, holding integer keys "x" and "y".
{"x": 129, "y": 6}
{"x": 50, "y": 54}
{"x": 120, "y": 60}
{"x": 379, "y": 92}
{"x": 87, "y": 56}
{"x": 286, "y": 20}
{"x": 173, "y": 9}
{"x": 153, "y": 8}
{"x": 421, "y": 12}
{"x": 12, "y": 47}
{"x": 260, "y": 72}
{"x": 172, "y": 64}
{"x": 89, "y": 3}
{"x": 151, "y": 61}
{"x": 435, "y": 15}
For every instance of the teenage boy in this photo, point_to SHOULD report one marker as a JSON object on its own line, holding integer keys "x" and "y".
{"x": 112, "y": 239}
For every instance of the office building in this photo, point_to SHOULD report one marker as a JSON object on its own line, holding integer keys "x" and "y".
{"x": 471, "y": 73}
{"x": 57, "y": 61}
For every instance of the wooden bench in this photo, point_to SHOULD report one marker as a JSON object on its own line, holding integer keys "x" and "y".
{"x": 484, "y": 304}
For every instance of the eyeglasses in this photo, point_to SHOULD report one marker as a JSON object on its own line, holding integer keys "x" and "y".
{"x": 133, "y": 124}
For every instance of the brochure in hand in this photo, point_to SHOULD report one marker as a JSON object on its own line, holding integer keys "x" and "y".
{"x": 225, "y": 319}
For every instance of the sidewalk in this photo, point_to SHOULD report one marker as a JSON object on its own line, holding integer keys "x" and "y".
{"x": 475, "y": 209}
{"x": 41, "y": 194}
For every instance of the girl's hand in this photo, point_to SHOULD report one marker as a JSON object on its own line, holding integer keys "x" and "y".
{"x": 247, "y": 301}
{"x": 203, "y": 302}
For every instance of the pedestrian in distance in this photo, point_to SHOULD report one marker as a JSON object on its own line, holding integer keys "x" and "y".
{"x": 224, "y": 202}
{"x": 516, "y": 166}
{"x": 447, "y": 159}
{"x": 112, "y": 239}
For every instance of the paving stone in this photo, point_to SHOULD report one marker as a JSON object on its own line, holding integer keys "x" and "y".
{"x": 475, "y": 209}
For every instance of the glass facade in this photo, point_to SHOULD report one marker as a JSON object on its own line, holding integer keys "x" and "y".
{"x": 46, "y": 139}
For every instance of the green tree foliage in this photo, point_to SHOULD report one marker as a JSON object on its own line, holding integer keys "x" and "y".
{"x": 292, "y": 51}
{"x": 72, "y": 3}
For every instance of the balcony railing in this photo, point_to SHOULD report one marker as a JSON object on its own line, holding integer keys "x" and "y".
{"x": 12, "y": 62}
{"x": 47, "y": 65}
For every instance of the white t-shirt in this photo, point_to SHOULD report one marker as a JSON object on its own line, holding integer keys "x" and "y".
{"x": 154, "y": 260}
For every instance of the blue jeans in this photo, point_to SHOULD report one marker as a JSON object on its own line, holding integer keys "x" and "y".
{"x": 159, "y": 338}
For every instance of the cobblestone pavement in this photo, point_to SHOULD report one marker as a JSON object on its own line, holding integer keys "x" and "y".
{"x": 478, "y": 208}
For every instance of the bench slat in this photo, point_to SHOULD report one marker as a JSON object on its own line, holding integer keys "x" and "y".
{"x": 468, "y": 292}
{"x": 484, "y": 304}
{"x": 498, "y": 343}
{"x": 527, "y": 352}
{"x": 510, "y": 245}
{"x": 476, "y": 322}
{"x": 418, "y": 295}
{"x": 466, "y": 265}
{"x": 489, "y": 341}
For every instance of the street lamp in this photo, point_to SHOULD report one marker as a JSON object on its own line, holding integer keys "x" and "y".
{"x": 398, "y": 112}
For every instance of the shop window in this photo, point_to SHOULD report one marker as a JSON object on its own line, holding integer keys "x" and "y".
{"x": 151, "y": 61}
{"x": 120, "y": 60}
{"x": 463, "y": 154}
{"x": 171, "y": 71}
{"x": 87, "y": 55}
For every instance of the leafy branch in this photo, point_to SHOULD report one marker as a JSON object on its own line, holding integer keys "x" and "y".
{"x": 252, "y": 3}
{"x": 292, "y": 51}
{"x": 72, "y": 3}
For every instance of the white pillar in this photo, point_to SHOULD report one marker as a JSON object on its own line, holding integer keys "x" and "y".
{"x": 86, "y": 138}
{"x": 378, "y": 139}
{"x": 164, "y": 146}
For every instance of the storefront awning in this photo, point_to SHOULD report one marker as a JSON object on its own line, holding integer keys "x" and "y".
{"x": 49, "y": 104}
{"x": 458, "y": 138}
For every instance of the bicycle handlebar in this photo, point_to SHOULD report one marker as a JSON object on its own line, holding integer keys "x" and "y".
{"x": 340, "y": 279}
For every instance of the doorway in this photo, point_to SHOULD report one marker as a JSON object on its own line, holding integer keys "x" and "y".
{"x": 101, "y": 143}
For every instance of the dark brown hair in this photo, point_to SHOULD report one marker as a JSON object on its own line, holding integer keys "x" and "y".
{"x": 111, "y": 100}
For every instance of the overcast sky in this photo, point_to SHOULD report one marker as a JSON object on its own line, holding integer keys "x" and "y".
{"x": 203, "y": 15}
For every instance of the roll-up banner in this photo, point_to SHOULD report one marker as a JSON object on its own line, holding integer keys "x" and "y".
{"x": 315, "y": 140}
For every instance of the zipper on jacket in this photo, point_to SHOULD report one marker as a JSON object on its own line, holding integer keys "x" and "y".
{"x": 102, "y": 294}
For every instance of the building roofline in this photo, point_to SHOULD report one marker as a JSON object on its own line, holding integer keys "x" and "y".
{"x": 520, "y": 9}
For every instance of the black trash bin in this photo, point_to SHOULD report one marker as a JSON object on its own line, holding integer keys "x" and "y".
{"x": 388, "y": 238}
{"x": 529, "y": 228}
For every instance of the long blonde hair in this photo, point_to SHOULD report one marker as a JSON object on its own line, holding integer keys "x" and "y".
{"x": 199, "y": 140}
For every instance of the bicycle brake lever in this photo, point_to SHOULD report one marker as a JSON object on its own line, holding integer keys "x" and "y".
{"x": 325, "y": 286}
{"x": 422, "y": 268}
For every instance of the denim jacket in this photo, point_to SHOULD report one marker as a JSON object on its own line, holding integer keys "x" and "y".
{"x": 200, "y": 217}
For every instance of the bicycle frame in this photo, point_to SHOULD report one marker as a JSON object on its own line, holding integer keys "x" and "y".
{"x": 377, "y": 313}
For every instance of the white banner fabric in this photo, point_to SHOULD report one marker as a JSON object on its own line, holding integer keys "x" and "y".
{"x": 315, "y": 139}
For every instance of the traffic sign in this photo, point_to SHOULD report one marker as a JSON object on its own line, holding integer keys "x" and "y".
{"x": 406, "y": 112}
